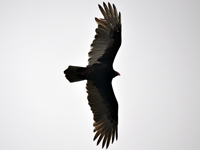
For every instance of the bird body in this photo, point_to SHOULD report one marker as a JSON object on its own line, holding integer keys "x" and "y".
{"x": 99, "y": 74}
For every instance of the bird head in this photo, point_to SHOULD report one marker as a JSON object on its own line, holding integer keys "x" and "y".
{"x": 116, "y": 74}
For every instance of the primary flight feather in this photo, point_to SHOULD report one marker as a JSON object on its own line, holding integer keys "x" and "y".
{"x": 99, "y": 74}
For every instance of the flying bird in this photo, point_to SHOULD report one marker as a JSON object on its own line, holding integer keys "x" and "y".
{"x": 99, "y": 74}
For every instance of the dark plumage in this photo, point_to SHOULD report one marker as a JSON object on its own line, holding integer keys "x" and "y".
{"x": 99, "y": 74}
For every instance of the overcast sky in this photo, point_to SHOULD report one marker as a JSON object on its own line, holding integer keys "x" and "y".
{"x": 158, "y": 91}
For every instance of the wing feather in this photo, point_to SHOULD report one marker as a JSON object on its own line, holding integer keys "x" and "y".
{"x": 105, "y": 109}
{"x": 103, "y": 12}
{"x": 108, "y": 36}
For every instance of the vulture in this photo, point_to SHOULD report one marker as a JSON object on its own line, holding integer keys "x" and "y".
{"x": 99, "y": 74}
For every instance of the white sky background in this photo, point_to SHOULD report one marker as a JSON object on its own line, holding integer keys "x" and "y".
{"x": 158, "y": 91}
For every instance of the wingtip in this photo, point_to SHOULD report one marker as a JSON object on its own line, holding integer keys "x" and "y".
{"x": 119, "y": 18}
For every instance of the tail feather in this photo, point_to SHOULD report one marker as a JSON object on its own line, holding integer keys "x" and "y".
{"x": 74, "y": 73}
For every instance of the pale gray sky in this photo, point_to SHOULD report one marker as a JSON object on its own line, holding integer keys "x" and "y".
{"x": 158, "y": 91}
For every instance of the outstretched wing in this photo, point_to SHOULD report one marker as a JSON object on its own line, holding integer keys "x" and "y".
{"x": 105, "y": 110}
{"x": 108, "y": 36}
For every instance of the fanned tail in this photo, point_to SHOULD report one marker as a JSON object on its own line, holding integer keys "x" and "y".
{"x": 75, "y": 73}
